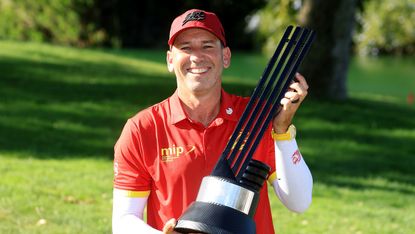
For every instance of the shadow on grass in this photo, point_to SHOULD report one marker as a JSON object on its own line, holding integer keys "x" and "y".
{"x": 52, "y": 110}
{"x": 359, "y": 139}
{"x": 45, "y": 114}
{"x": 73, "y": 110}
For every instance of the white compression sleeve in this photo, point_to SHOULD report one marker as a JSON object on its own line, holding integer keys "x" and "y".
{"x": 294, "y": 182}
{"x": 127, "y": 215}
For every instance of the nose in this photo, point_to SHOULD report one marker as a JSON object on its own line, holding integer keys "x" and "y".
{"x": 196, "y": 56}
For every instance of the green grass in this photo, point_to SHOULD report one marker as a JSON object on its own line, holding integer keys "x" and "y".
{"x": 385, "y": 77}
{"x": 72, "y": 196}
{"x": 62, "y": 109}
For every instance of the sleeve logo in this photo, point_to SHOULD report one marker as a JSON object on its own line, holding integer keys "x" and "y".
{"x": 296, "y": 157}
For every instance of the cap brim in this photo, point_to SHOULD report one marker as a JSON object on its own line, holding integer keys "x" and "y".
{"x": 173, "y": 38}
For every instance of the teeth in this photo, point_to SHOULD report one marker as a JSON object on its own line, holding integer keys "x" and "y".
{"x": 198, "y": 70}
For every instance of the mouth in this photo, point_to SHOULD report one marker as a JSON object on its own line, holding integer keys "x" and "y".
{"x": 198, "y": 70}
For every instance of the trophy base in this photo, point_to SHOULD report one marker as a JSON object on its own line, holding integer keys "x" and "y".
{"x": 202, "y": 217}
{"x": 223, "y": 206}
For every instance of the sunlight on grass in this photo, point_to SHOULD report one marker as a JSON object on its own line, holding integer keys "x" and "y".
{"x": 56, "y": 191}
{"x": 353, "y": 205}
{"x": 382, "y": 78}
{"x": 75, "y": 62}
{"x": 62, "y": 110}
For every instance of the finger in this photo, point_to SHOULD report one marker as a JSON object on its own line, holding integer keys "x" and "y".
{"x": 169, "y": 226}
{"x": 294, "y": 97}
{"x": 295, "y": 101}
{"x": 300, "y": 78}
{"x": 297, "y": 87}
{"x": 291, "y": 95}
{"x": 285, "y": 102}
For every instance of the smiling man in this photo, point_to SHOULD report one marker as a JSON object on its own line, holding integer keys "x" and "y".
{"x": 164, "y": 151}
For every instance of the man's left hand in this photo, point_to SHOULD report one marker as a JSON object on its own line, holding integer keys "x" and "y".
{"x": 292, "y": 99}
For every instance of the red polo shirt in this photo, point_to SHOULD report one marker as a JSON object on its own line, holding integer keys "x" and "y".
{"x": 164, "y": 154}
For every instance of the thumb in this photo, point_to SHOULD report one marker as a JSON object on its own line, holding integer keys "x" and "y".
{"x": 169, "y": 226}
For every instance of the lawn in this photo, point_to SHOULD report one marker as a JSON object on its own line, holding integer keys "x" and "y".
{"x": 62, "y": 109}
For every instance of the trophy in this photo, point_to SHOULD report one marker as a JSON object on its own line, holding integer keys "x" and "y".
{"x": 228, "y": 197}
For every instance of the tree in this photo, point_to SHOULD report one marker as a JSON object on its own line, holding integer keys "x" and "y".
{"x": 327, "y": 63}
{"x": 146, "y": 24}
{"x": 386, "y": 27}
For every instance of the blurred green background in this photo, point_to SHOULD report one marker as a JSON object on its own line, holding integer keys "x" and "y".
{"x": 73, "y": 71}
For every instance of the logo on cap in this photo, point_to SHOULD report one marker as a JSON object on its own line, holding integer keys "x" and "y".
{"x": 195, "y": 15}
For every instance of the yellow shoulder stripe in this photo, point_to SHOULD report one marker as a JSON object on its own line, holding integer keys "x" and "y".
{"x": 127, "y": 193}
{"x": 272, "y": 177}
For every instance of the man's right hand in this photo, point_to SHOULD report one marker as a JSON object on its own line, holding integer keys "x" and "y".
{"x": 169, "y": 227}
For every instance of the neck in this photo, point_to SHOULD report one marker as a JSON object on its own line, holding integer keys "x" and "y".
{"x": 201, "y": 108}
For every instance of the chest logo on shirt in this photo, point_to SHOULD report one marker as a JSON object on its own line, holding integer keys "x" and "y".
{"x": 171, "y": 153}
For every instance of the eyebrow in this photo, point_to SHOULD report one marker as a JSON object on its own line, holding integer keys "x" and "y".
{"x": 209, "y": 41}
{"x": 203, "y": 42}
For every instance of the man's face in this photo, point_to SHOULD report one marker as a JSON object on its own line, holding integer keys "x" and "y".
{"x": 197, "y": 58}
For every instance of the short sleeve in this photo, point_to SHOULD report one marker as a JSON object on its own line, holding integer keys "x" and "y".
{"x": 130, "y": 172}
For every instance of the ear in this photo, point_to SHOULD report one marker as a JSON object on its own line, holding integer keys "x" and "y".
{"x": 169, "y": 60}
{"x": 226, "y": 57}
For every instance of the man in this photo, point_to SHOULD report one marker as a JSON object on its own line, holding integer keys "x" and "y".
{"x": 165, "y": 150}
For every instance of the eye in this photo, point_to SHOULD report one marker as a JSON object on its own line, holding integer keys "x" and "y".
{"x": 208, "y": 46}
{"x": 185, "y": 48}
